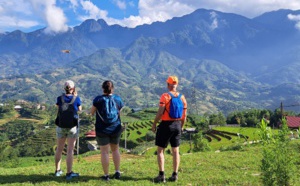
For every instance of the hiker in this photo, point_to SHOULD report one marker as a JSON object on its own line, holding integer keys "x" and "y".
{"x": 172, "y": 113}
{"x": 67, "y": 127}
{"x": 107, "y": 108}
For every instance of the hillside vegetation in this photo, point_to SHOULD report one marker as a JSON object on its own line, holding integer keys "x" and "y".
{"x": 216, "y": 155}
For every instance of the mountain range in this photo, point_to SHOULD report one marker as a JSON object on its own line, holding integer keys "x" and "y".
{"x": 224, "y": 61}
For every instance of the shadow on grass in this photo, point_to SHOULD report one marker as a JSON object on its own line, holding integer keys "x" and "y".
{"x": 36, "y": 178}
{"x": 128, "y": 178}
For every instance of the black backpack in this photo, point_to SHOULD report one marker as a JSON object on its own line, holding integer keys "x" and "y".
{"x": 66, "y": 112}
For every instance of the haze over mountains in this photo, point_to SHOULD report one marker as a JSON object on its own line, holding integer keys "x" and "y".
{"x": 224, "y": 61}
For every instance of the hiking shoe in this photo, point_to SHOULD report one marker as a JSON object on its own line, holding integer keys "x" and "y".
{"x": 159, "y": 178}
{"x": 58, "y": 173}
{"x": 174, "y": 177}
{"x": 105, "y": 178}
{"x": 71, "y": 175}
{"x": 117, "y": 175}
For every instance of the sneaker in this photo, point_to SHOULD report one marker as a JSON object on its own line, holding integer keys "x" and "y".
{"x": 117, "y": 175}
{"x": 174, "y": 177}
{"x": 105, "y": 178}
{"x": 58, "y": 173}
{"x": 71, "y": 175}
{"x": 159, "y": 178}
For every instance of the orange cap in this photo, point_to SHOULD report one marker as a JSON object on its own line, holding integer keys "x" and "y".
{"x": 172, "y": 80}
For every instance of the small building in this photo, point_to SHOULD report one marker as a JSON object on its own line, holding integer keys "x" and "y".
{"x": 293, "y": 122}
{"x": 136, "y": 110}
{"x": 90, "y": 134}
{"x": 18, "y": 107}
{"x": 190, "y": 130}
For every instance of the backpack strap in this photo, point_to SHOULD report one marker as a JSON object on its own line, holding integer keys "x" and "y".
{"x": 63, "y": 100}
{"x": 100, "y": 115}
{"x": 172, "y": 96}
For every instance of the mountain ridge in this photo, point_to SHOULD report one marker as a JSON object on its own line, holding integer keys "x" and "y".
{"x": 228, "y": 60}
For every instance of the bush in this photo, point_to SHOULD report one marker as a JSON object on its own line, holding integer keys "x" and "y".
{"x": 200, "y": 143}
{"x": 150, "y": 136}
{"x": 277, "y": 164}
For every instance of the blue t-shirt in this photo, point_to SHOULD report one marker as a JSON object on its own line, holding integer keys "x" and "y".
{"x": 68, "y": 99}
{"x": 102, "y": 127}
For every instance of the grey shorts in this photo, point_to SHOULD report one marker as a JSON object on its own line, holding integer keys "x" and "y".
{"x": 66, "y": 132}
{"x": 105, "y": 139}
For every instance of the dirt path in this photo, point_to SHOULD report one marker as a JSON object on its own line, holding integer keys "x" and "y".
{"x": 6, "y": 120}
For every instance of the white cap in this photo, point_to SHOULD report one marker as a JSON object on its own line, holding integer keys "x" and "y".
{"x": 69, "y": 84}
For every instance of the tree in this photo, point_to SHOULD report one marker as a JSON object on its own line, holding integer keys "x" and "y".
{"x": 217, "y": 119}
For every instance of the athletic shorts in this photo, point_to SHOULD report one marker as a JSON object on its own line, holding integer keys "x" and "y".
{"x": 104, "y": 139}
{"x": 66, "y": 132}
{"x": 168, "y": 131}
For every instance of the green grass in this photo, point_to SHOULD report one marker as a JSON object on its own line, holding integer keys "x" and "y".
{"x": 203, "y": 168}
{"x": 252, "y": 133}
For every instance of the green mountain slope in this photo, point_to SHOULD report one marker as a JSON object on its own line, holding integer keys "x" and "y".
{"x": 139, "y": 77}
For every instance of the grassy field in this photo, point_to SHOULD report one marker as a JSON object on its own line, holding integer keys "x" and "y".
{"x": 202, "y": 168}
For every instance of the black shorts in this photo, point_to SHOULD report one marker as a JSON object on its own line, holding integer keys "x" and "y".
{"x": 168, "y": 131}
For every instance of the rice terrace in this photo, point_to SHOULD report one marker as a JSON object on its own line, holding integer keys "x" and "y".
{"x": 214, "y": 155}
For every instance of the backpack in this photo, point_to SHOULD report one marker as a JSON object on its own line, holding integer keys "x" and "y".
{"x": 108, "y": 111}
{"x": 176, "y": 106}
{"x": 66, "y": 113}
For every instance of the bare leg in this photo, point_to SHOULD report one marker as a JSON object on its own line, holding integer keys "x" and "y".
{"x": 161, "y": 158}
{"x": 116, "y": 156}
{"x": 70, "y": 152}
{"x": 105, "y": 158}
{"x": 176, "y": 158}
{"x": 58, "y": 153}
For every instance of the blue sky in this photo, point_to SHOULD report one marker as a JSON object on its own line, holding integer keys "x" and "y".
{"x": 59, "y": 15}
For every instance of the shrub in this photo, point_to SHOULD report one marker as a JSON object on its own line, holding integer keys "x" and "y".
{"x": 277, "y": 165}
{"x": 200, "y": 143}
{"x": 150, "y": 136}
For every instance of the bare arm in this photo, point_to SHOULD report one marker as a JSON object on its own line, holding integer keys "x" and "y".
{"x": 93, "y": 110}
{"x": 158, "y": 117}
{"x": 183, "y": 119}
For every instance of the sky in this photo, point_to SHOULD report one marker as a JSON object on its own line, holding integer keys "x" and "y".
{"x": 60, "y": 15}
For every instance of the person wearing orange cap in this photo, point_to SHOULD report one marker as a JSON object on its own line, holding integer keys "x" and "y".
{"x": 170, "y": 128}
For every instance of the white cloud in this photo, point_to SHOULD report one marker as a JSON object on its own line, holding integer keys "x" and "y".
{"x": 131, "y": 4}
{"x": 93, "y": 11}
{"x": 162, "y": 10}
{"x": 53, "y": 15}
{"x": 249, "y": 9}
{"x": 120, "y": 4}
{"x": 154, "y": 10}
{"x": 27, "y": 13}
{"x": 16, "y": 15}
{"x": 15, "y": 22}
{"x": 295, "y": 18}
{"x": 74, "y": 4}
